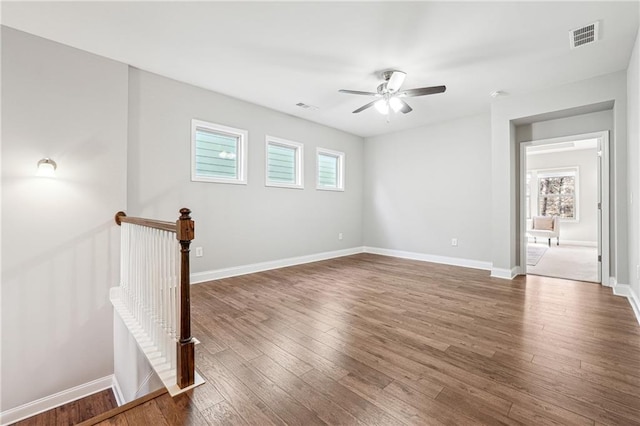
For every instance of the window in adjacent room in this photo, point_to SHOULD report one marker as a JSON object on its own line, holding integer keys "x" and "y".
{"x": 557, "y": 193}
{"x": 284, "y": 164}
{"x": 330, "y": 170}
{"x": 218, "y": 153}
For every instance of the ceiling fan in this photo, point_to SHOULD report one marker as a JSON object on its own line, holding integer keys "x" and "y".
{"x": 390, "y": 96}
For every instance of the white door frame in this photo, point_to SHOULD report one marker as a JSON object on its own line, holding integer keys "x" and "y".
{"x": 603, "y": 194}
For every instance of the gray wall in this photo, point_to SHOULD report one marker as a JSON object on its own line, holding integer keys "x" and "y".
{"x": 633, "y": 135}
{"x": 236, "y": 224}
{"x": 586, "y": 228}
{"x": 59, "y": 246}
{"x": 428, "y": 185}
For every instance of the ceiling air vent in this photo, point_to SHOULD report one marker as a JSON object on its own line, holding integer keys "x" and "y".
{"x": 305, "y": 106}
{"x": 584, "y": 35}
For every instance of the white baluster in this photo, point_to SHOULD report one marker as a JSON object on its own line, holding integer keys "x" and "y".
{"x": 163, "y": 294}
{"x": 133, "y": 268}
{"x": 140, "y": 272}
{"x": 158, "y": 291}
{"x": 150, "y": 268}
{"x": 150, "y": 284}
{"x": 147, "y": 284}
{"x": 154, "y": 288}
{"x": 174, "y": 301}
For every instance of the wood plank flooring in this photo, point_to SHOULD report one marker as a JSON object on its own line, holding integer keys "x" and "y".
{"x": 74, "y": 412}
{"x": 375, "y": 340}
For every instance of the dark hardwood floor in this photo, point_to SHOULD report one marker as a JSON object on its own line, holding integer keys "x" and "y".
{"x": 376, "y": 340}
{"x": 74, "y": 412}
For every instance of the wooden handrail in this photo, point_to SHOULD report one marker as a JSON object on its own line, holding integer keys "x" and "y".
{"x": 150, "y": 223}
{"x": 184, "y": 228}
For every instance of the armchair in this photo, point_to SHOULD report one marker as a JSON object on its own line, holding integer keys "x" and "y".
{"x": 545, "y": 227}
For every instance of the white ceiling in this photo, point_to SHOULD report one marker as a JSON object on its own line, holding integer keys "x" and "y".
{"x": 279, "y": 54}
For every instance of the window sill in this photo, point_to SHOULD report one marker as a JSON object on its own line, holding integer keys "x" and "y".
{"x": 283, "y": 185}
{"x": 219, "y": 180}
{"x": 324, "y": 188}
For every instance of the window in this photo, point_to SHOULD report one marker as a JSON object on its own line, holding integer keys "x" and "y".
{"x": 284, "y": 163}
{"x": 218, "y": 153}
{"x": 330, "y": 170}
{"x": 557, "y": 191}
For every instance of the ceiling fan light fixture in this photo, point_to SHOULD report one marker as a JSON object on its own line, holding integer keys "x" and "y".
{"x": 382, "y": 106}
{"x": 395, "y": 104}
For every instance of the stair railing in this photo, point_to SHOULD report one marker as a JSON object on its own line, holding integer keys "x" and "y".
{"x": 153, "y": 298}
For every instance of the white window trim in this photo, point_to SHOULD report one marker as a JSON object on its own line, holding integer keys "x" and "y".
{"x": 341, "y": 169}
{"x": 241, "y": 134}
{"x": 299, "y": 162}
{"x": 536, "y": 174}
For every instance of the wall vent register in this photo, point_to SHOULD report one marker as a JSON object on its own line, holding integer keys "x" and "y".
{"x": 584, "y": 35}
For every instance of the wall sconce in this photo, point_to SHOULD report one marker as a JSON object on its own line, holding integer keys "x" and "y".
{"x": 46, "y": 168}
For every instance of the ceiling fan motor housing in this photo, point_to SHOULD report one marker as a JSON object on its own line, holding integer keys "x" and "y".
{"x": 386, "y": 75}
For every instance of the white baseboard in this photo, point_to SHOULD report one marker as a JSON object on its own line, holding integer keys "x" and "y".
{"x": 117, "y": 392}
{"x": 216, "y": 274}
{"x": 611, "y": 283}
{"x": 634, "y": 299}
{"x": 577, "y": 243}
{"x": 465, "y": 263}
{"x": 52, "y": 401}
{"x": 199, "y": 277}
{"x": 625, "y": 290}
{"x": 565, "y": 242}
{"x": 506, "y": 274}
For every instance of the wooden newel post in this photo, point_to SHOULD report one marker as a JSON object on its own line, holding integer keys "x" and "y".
{"x": 186, "y": 353}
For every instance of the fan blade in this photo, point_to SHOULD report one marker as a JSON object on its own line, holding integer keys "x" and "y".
{"x": 395, "y": 81}
{"x": 363, "y": 107}
{"x": 422, "y": 91}
{"x": 357, "y": 92}
{"x": 405, "y": 107}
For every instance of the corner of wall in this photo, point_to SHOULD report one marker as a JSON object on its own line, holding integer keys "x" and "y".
{"x": 625, "y": 290}
{"x": 633, "y": 188}
{"x": 506, "y": 274}
{"x": 50, "y": 402}
{"x": 117, "y": 391}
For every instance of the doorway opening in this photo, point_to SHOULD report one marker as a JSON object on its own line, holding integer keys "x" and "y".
{"x": 564, "y": 207}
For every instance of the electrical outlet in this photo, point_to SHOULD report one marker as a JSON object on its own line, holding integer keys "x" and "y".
{"x": 340, "y": 236}
{"x": 199, "y": 252}
{"x": 454, "y": 242}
